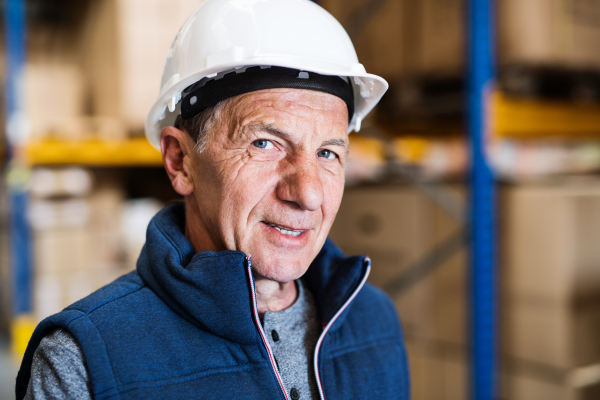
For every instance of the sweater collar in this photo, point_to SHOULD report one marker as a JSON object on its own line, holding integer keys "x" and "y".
{"x": 212, "y": 289}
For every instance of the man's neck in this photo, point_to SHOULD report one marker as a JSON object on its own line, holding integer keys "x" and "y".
{"x": 195, "y": 230}
{"x": 274, "y": 296}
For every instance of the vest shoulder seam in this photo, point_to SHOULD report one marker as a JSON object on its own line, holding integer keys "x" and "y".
{"x": 102, "y": 304}
{"x": 104, "y": 348}
{"x": 94, "y": 307}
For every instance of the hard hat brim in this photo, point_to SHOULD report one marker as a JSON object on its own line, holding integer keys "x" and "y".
{"x": 368, "y": 90}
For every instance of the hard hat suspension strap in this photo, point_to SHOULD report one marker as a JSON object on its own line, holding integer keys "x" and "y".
{"x": 209, "y": 91}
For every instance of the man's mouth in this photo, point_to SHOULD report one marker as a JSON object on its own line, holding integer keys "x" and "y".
{"x": 285, "y": 230}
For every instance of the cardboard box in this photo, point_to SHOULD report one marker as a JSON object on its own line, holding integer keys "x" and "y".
{"x": 557, "y": 33}
{"x": 550, "y": 233}
{"x": 519, "y": 386}
{"x": 379, "y": 41}
{"x": 551, "y": 333}
{"x": 426, "y": 373}
{"x": 524, "y": 388}
{"x": 551, "y": 273}
{"x": 444, "y": 29}
{"x": 415, "y": 38}
{"x": 105, "y": 206}
{"x": 62, "y": 249}
{"x": 534, "y": 32}
{"x": 391, "y": 224}
{"x": 406, "y": 38}
{"x": 437, "y": 374}
{"x": 441, "y": 372}
{"x": 55, "y": 99}
{"x": 451, "y": 293}
{"x": 125, "y": 47}
{"x": 47, "y": 295}
{"x": 76, "y": 244}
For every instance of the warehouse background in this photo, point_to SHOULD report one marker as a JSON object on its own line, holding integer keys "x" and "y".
{"x": 93, "y": 69}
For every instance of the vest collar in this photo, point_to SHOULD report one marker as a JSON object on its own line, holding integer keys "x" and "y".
{"x": 212, "y": 289}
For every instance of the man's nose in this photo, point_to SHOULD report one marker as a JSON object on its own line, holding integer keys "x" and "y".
{"x": 301, "y": 183}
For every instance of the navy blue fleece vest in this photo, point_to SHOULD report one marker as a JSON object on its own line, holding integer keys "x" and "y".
{"x": 181, "y": 327}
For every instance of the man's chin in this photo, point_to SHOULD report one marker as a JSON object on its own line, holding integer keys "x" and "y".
{"x": 281, "y": 271}
{"x": 279, "y": 263}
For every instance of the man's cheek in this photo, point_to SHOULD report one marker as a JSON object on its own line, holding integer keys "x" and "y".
{"x": 333, "y": 194}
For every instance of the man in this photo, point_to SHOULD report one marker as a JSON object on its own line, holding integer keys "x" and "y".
{"x": 238, "y": 293}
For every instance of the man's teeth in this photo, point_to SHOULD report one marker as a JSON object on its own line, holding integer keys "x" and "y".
{"x": 285, "y": 231}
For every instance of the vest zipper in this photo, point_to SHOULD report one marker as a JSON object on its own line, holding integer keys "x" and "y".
{"x": 259, "y": 325}
{"x": 328, "y": 326}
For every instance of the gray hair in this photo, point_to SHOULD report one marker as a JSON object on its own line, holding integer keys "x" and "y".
{"x": 199, "y": 126}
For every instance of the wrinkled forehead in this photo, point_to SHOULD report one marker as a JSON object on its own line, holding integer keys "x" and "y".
{"x": 293, "y": 106}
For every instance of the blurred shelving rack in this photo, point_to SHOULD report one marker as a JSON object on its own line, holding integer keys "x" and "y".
{"x": 137, "y": 152}
{"x": 16, "y": 176}
{"x": 530, "y": 118}
{"x": 482, "y": 203}
{"x": 509, "y": 117}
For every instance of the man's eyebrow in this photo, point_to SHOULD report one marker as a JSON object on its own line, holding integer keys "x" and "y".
{"x": 259, "y": 126}
{"x": 338, "y": 142}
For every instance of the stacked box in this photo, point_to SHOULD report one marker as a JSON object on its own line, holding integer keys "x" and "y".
{"x": 414, "y": 38}
{"x": 125, "y": 47}
{"x": 550, "y": 314}
{"x": 86, "y": 233}
{"x": 437, "y": 373}
{"x": 56, "y": 88}
{"x": 405, "y": 38}
{"x": 557, "y": 33}
{"x": 55, "y": 99}
{"x": 552, "y": 273}
{"x": 520, "y": 386}
{"x": 75, "y": 237}
{"x": 443, "y": 32}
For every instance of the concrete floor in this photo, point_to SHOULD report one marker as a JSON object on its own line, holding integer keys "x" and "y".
{"x": 8, "y": 371}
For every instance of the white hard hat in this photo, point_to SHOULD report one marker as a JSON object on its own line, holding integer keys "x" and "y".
{"x": 222, "y": 36}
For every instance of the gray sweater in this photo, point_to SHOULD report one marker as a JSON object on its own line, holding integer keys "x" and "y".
{"x": 59, "y": 371}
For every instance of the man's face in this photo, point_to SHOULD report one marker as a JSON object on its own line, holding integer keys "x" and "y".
{"x": 271, "y": 177}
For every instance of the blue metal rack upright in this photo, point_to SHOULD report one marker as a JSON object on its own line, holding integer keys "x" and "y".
{"x": 483, "y": 204}
{"x": 18, "y": 173}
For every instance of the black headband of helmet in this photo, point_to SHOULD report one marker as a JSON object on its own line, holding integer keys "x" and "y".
{"x": 209, "y": 91}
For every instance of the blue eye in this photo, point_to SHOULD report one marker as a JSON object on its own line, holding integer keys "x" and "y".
{"x": 328, "y": 154}
{"x": 263, "y": 144}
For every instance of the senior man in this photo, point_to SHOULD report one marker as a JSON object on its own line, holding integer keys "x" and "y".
{"x": 237, "y": 292}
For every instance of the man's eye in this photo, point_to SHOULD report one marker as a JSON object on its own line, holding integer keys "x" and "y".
{"x": 263, "y": 144}
{"x": 328, "y": 154}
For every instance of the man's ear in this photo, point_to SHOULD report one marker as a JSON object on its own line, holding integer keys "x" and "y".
{"x": 175, "y": 146}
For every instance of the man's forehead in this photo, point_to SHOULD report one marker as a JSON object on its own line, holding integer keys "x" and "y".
{"x": 286, "y": 99}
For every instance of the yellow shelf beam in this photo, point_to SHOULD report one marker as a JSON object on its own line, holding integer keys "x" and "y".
{"x": 132, "y": 152}
{"x": 514, "y": 118}
{"x": 531, "y": 118}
